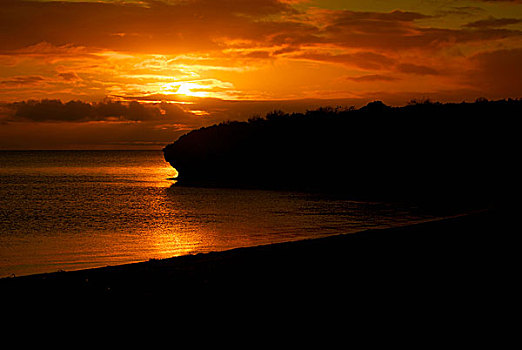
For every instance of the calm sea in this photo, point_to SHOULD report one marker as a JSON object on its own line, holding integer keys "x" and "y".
{"x": 69, "y": 210}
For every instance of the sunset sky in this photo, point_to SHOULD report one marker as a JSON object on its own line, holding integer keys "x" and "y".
{"x": 141, "y": 73}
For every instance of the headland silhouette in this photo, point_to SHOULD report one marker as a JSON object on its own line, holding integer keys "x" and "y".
{"x": 425, "y": 151}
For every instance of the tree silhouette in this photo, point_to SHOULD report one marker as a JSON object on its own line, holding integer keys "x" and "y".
{"x": 424, "y": 151}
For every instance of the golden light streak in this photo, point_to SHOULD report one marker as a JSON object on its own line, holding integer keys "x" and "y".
{"x": 184, "y": 88}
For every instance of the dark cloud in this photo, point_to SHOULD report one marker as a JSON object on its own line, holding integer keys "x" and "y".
{"x": 80, "y": 111}
{"x": 171, "y": 26}
{"x": 202, "y": 25}
{"x": 355, "y": 18}
{"x": 398, "y": 31}
{"x": 22, "y": 80}
{"x": 257, "y": 54}
{"x": 497, "y": 73}
{"x": 370, "y": 61}
{"x": 461, "y": 10}
{"x": 416, "y": 69}
{"x": 365, "y": 60}
{"x": 512, "y": 1}
{"x": 69, "y": 76}
{"x": 370, "y": 29}
{"x": 250, "y": 7}
{"x": 493, "y": 22}
{"x": 372, "y": 78}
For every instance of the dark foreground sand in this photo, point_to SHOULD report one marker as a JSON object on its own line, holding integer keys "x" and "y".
{"x": 468, "y": 261}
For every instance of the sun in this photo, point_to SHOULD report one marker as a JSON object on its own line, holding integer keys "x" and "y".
{"x": 192, "y": 89}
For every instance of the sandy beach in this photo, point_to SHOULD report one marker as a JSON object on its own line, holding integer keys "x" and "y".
{"x": 460, "y": 259}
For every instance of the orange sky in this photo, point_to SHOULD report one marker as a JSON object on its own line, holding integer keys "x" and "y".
{"x": 189, "y": 63}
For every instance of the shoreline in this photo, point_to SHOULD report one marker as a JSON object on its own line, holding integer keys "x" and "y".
{"x": 469, "y": 251}
{"x": 45, "y": 274}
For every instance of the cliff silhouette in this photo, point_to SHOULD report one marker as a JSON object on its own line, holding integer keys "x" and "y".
{"x": 424, "y": 151}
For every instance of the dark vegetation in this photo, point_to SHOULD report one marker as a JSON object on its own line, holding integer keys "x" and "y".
{"x": 427, "y": 152}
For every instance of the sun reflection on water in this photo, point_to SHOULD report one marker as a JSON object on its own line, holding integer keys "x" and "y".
{"x": 75, "y": 210}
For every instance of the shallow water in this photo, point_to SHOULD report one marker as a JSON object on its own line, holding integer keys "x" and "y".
{"x": 69, "y": 210}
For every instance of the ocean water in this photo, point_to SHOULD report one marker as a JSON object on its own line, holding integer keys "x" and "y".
{"x": 70, "y": 210}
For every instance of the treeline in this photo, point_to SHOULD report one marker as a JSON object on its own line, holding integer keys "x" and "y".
{"x": 423, "y": 151}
